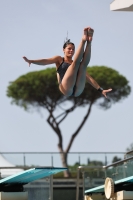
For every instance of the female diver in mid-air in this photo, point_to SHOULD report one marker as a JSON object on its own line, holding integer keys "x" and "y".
{"x": 71, "y": 74}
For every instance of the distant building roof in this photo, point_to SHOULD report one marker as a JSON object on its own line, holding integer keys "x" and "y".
{"x": 7, "y": 171}
{"x": 4, "y": 162}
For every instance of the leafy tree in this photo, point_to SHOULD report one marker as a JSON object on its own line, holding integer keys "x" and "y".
{"x": 115, "y": 159}
{"x": 40, "y": 89}
{"x": 130, "y": 148}
{"x": 95, "y": 163}
{"x": 130, "y": 151}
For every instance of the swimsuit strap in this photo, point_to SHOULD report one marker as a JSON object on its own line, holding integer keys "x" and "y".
{"x": 62, "y": 61}
{"x": 60, "y": 64}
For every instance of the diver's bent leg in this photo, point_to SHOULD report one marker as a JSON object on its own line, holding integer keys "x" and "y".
{"x": 69, "y": 79}
{"x": 70, "y": 76}
{"x": 81, "y": 76}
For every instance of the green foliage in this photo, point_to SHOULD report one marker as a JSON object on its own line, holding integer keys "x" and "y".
{"x": 95, "y": 163}
{"x": 115, "y": 159}
{"x": 35, "y": 88}
{"x": 107, "y": 78}
{"x": 61, "y": 174}
{"x": 41, "y": 87}
{"x": 130, "y": 148}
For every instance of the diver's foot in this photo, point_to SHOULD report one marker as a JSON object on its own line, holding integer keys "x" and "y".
{"x": 90, "y": 32}
{"x": 85, "y": 35}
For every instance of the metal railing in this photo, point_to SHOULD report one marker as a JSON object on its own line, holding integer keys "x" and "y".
{"x": 54, "y": 158}
{"x": 118, "y": 162}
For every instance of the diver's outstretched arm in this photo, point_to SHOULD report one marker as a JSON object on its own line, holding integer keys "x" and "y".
{"x": 91, "y": 81}
{"x": 48, "y": 61}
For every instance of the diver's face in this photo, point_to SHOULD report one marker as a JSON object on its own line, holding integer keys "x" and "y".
{"x": 69, "y": 50}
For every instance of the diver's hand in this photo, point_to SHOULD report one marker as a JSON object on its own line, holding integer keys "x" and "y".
{"x": 106, "y": 91}
{"x": 27, "y": 60}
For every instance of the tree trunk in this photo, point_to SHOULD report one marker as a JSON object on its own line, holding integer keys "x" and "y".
{"x": 55, "y": 126}
{"x": 79, "y": 127}
{"x": 63, "y": 155}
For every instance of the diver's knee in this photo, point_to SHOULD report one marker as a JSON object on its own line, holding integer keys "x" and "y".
{"x": 67, "y": 93}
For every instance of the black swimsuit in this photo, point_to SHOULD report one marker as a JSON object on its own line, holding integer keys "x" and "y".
{"x": 62, "y": 70}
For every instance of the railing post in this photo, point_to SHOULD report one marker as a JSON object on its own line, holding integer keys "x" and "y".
{"x": 52, "y": 161}
{"x": 83, "y": 175}
{"x": 106, "y": 162}
{"x": 79, "y": 159}
{"x": 24, "y": 159}
{"x": 77, "y": 190}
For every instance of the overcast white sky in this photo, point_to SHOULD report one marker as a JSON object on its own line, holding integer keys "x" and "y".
{"x": 37, "y": 29}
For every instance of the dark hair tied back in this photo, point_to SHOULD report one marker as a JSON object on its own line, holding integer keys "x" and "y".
{"x": 67, "y": 43}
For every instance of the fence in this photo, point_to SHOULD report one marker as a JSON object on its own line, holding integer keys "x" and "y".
{"x": 53, "y": 158}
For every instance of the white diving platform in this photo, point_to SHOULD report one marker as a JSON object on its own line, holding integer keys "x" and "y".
{"x": 122, "y": 5}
